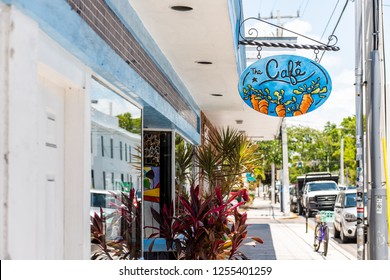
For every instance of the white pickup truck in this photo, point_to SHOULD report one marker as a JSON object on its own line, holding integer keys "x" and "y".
{"x": 319, "y": 195}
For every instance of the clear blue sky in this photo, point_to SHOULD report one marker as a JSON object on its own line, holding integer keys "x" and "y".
{"x": 316, "y": 21}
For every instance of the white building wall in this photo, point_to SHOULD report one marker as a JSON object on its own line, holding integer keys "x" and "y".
{"x": 44, "y": 145}
{"x": 4, "y": 178}
{"x": 107, "y": 127}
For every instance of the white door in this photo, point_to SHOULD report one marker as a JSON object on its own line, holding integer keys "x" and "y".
{"x": 51, "y": 194}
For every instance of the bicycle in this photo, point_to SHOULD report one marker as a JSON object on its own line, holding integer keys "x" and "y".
{"x": 321, "y": 231}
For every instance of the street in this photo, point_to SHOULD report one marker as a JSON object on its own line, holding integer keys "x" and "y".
{"x": 285, "y": 236}
{"x": 349, "y": 246}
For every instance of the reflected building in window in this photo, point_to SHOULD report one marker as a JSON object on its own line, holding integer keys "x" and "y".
{"x": 112, "y": 153}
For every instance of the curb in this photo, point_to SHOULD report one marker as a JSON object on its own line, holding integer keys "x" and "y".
{"x": 335, "y": 244}
{"x": 291, "y": 216}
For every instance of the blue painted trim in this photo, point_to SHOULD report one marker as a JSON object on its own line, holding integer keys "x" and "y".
{"x": 63, "y": 25}
{"x": 160, "y": 245}
{"x": 236, "y": 17}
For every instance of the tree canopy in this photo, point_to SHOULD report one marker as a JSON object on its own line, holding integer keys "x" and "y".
{"x": 312, "y": 150}
{"x": 127, "y": 122}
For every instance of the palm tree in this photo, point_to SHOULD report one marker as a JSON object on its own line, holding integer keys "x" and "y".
{"x": 184, "y": 155}
{"x": 224, "y": 157}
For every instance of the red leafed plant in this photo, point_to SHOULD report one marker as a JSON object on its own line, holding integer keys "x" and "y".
{"x": 206, "y": 229}
{"x": 116, "y": 235}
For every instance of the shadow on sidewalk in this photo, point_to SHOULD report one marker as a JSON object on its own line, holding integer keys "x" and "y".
{"x": 265, "y": 251}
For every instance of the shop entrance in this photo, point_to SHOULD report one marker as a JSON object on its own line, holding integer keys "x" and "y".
{"x": 158, "y": 181}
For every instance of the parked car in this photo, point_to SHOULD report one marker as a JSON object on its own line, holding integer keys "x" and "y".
{"x": 345, "y": 211}
{"x": 344, "y": 187}
{"x": 102, "y": 199}
{"x": 296, "y": 202}
{"x": 293, "y": 198}
{"x": 319, "y": 195}
{"x": 278, "y": 187}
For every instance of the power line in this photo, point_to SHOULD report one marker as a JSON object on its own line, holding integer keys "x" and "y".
{"x": 334, "y": 29}
{"x": 273, "y": 7}
{"x": 304, "y": 9}
{"x": 331, "y": 16}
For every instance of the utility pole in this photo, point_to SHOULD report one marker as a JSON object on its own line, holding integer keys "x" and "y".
{"x": 284, "y": 191}
{"x": 278, "y": 17}
{"x": 285, "y": 184}
{"x": 378, "y": 232}
{"x": 342, "y": 160}
{"x": 273, "y": 183}
{"x": 359, "y": 130}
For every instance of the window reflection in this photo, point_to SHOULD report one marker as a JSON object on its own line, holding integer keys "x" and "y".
{"x": 116, "y": 127}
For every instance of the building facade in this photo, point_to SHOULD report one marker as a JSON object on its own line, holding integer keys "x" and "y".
{"x": 83, "y": 86}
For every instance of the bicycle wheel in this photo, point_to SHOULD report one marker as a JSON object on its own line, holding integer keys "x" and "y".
{"x": 317, "y": 237}
{"x": 326, "y": 239}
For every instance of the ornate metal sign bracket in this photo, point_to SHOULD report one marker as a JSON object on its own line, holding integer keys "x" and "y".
{"x": 253, "y": 40}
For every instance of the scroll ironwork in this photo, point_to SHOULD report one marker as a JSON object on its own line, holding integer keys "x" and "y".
{"x": 253, "y": 39}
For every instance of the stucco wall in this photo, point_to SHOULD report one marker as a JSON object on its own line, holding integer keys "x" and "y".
{"x": 45, "y": 124}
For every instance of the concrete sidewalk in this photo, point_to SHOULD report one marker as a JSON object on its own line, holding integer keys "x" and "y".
{"x": 284, "y": 237}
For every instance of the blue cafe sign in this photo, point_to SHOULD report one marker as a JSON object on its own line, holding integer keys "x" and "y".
{"x": 285, "y": 85}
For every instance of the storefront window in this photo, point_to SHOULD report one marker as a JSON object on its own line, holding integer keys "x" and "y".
{"x": 158, "y": 190}
{"x": 116, "y": 184}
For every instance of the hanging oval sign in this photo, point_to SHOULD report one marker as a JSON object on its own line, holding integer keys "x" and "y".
{"x": 285, "y": 85}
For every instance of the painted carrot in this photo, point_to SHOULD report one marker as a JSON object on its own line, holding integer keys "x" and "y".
{"x": 263, "y": 106}
{"x": 306, "y": 102}
{"x": 255, "y": 102}
{"x": 280, "y": 110}
{"x": 297, "y": 113}
{"x": 307, "y": 95}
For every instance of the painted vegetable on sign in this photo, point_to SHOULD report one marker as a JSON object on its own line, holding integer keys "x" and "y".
{"x": 285, "y": 85}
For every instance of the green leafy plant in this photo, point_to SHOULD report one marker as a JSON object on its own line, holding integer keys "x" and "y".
{"x": 224, "y": 156}
{"x": 184, "y": 155}
{"x": 207, "y": 229}
{"x": 116, "y": 235}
